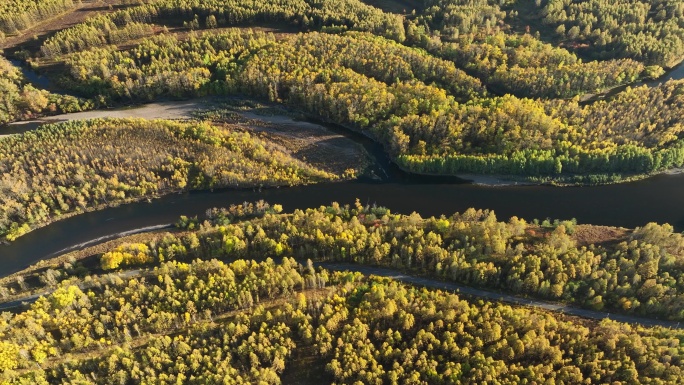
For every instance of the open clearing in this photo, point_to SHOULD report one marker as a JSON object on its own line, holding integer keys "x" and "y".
{"x": 309, "y": 142}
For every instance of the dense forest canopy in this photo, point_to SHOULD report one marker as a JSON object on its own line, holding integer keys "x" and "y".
{"x": 477, "y": 36}
{"x": 203, "y": 313}
{"x": 633, "y": 272}
{"x": 639, "y": 273}
{"x": 649, "y": 31}
{"x": 506, "y": 87}
{"x": 431, "y": 116}
{"x": 132, "y": 23}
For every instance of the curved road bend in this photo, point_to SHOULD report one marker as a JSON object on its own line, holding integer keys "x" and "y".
{"x": 490, "y": 295}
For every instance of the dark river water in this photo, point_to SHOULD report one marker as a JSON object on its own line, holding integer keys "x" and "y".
{"x": 38, "y": 80}
{"x": 630, "y": 204}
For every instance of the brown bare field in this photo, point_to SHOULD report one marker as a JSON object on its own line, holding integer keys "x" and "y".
{"x": 599, "y": 235}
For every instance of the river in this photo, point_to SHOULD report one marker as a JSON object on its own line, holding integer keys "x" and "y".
{"x": 632, "y": 204}
{"x": 38, "y": 80}
{"x": 629, "y": 205}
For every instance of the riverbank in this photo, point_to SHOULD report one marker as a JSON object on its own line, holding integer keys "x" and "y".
{"x": 562, "y": 180}
{"x": 128, "y": 201}
{"x": 312, "y": 139}
{"x": 88, "y": 259}
{"x": 260, "y": 165}
{"x": 75, "y": 258}
{"x": 484, "y": 180}
{"x": 306, "y": 141}
{"x": 583, "y": 234}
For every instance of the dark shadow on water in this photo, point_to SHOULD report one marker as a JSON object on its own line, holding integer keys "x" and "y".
{"x": 19, "y": 128}
{"x": 38, "y": 80}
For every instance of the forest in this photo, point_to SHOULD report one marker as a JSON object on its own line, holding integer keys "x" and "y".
{"x": 399, "y": 100}
{"x": 480, "y": 36}
{"x": 19, "y": 100}
{"x": 246, "y": 321}
{"x": 67, "y": 168}
{"x": 448, "y": 87}
{"x": 520, "y": 64}
{"x": 648, "y": 31}
{"x": 132, "y": 23}
{"x": 543, "y": 91}
{"x": 18, "y": 15}
{"x": 637, "y": 272}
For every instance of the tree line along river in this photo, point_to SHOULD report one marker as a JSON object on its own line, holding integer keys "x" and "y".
{"x": 631, "y": 204}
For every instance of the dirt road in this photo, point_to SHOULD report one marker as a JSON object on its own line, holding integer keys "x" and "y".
{"x": 493, "y": 296}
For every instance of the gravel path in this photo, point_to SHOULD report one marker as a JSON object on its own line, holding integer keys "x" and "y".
{"x": 160, "y": 110}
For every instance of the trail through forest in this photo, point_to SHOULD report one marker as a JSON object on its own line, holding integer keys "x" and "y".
{"x": 442, "y": 285}
{"x": 494, "y": 296}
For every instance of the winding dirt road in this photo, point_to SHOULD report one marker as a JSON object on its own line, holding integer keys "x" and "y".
{"x": 441, "y": 285}
{"x": 493, "y": 296}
